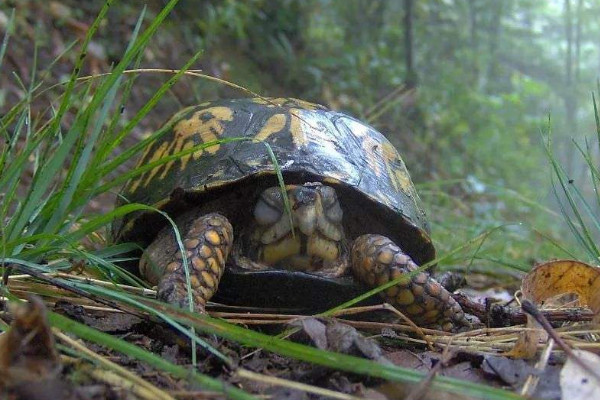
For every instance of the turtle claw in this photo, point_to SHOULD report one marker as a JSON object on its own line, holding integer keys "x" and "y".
{"x": 176, "y": 295}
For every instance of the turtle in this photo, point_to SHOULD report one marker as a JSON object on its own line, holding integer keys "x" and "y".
{"x": 283, "y": 201}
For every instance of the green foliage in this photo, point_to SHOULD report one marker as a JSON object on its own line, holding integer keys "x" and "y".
{"x": 44, "y": 216}
{"x": 579, "y": 201}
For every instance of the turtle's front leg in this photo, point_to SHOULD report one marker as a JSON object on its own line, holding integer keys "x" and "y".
{"x": 207, "y": 241}
{"x": 377, "y": 260}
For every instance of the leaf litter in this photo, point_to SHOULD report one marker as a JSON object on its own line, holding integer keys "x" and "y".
{"x": 482, "y": 355}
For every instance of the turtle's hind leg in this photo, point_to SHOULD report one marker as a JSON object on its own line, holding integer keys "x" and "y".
{"x": 377, "y": 260}
{"x": 207, "y": 242}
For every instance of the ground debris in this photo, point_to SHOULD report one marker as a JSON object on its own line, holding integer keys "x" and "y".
{"x": 461, "y": 365}
{"x": 515, "y": 372}
{"x": 341, "y": 338}
{"x": 110, "y": 322}
{"x": 29, "y": 363}
{"x": 577, "y": 383}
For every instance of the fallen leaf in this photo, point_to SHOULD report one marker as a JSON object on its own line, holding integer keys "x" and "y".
{"x": 344, "y": 338}
{"x": 577, "y": 383}
{"x": 29, "y": 362}
{"x": 527, "y": 342}
{"x": 548, "y": 281}
{"x": 408, "y": 359}
{"x": 341, "y": 338}
{"x": 559, "y": 277}
{"x": 512, "y": 372}
{"x": 515, "y": 372}
{"x": 316, "y": 331}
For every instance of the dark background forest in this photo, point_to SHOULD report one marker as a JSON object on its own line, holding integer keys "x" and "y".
{"x": 470, "y": 91}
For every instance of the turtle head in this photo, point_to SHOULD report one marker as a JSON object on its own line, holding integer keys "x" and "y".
{"x": 308, "y": 237}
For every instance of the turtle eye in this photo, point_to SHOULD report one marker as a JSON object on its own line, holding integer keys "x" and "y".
{"x": 328, "y": 196}
{"x": 331, "y": 204}
{"x": 269, "y": 207}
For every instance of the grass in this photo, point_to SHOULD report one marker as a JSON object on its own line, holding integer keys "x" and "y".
{"x": 579, "y": 200}
{"x": 46, "y": 222}
{"x": 515, "y": 230}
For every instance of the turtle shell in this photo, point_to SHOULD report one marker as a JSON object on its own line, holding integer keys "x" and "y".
{"x": 226, "y": 145}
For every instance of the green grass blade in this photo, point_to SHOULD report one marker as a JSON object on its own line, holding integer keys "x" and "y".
{"x": 329, "y": 359}
{"x": 594, "y": 177}
{"x": 131, "y": 300}
{"x": 583, "y": 235}
{"x": 142, "y": 355}
{"x": 127, "y": 154}
{"x": 105, "y": 147}
{"x": 596, "y": 115}
{"x": 66, "y": 99}
{"x": 79, "y": 165}
{"x": 575, "y": 231}
{"x": 120, "y": 180}
{"x": 9, "y": 30}
{"x": 43, "y": 179}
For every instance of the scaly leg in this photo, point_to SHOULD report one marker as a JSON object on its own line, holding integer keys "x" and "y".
{"x": 207, "y": 243}
{"x": 377, "y": 260}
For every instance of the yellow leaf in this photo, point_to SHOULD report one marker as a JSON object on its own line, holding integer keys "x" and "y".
{"x": 561, "y": 277}
{"x": 547, "y": 281}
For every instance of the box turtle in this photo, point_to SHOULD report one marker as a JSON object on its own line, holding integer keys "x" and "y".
{"x": 347, "y": 219}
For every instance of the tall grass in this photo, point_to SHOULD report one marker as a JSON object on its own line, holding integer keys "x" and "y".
{"x": 579, "y": 201}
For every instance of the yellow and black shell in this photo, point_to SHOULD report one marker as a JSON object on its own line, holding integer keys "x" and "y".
{"x": 222, "y": 147}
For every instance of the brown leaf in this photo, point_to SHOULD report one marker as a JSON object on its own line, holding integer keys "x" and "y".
{"x": 29, "y": 362}
{"x": 561, "y": 277}
{"x": 552, "y": 279}
{"x": 341, "y": 338}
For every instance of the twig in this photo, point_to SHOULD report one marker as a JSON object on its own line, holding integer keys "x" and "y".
{"x": 59, "y": 283}
{"x": 532, "y": 310}
{"x": 416, "y": 329}
{"x": 514, "y": 316}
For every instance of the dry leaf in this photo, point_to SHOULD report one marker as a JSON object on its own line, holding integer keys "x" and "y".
{"x": 577, "y": 383}
{"x": 549, "y": 280}
{"x": 516, "y": 372}
{"x": 29, "y": 363}
{"x": 561, "y": 277}
{"x": 317, "y": 332}
{"x": 342, "y": 338}
{"x": 526, "y": 345}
